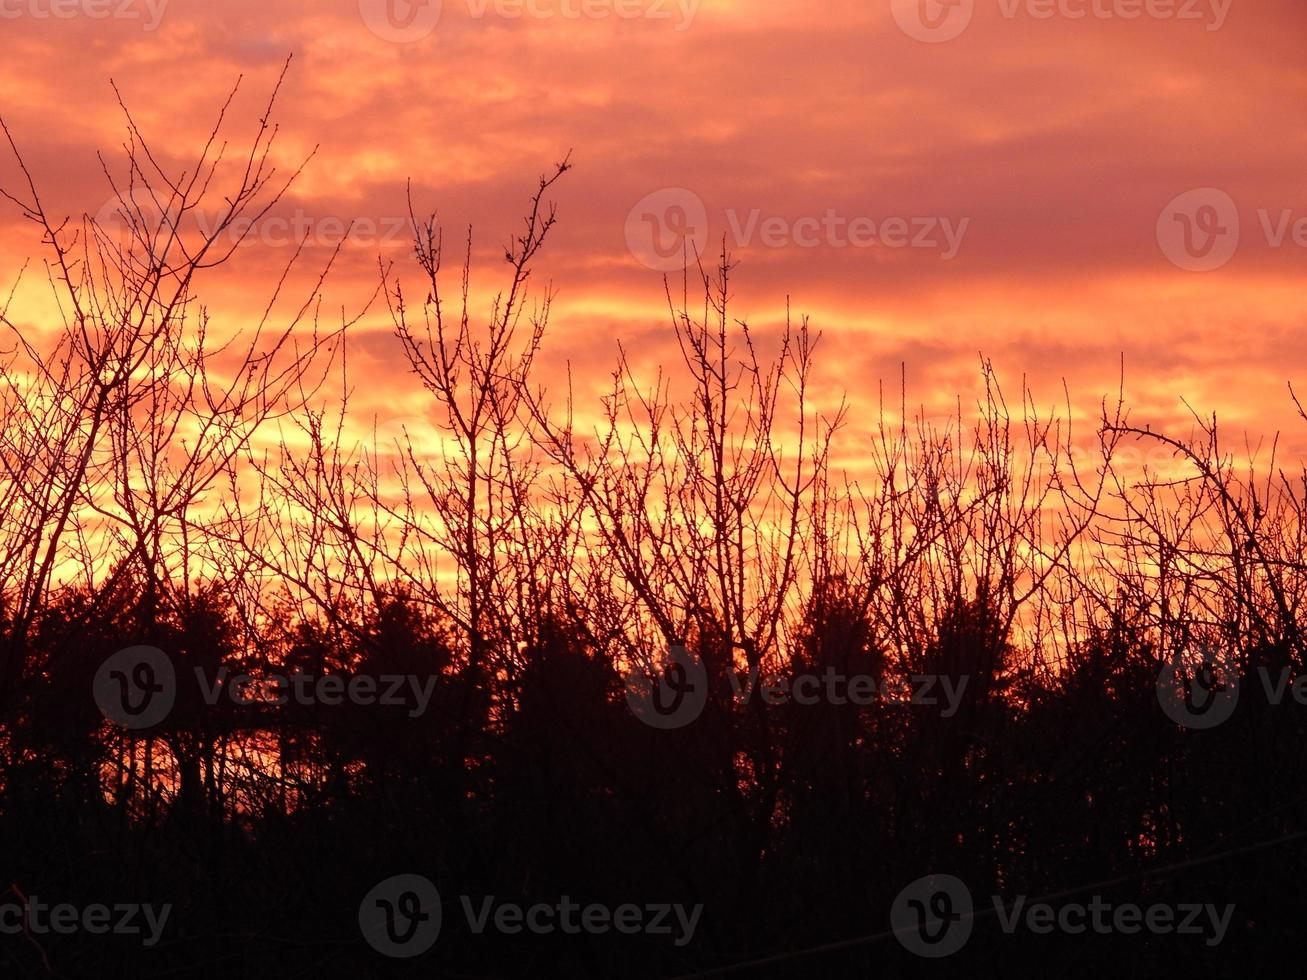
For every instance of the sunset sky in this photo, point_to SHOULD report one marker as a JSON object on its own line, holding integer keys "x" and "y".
{"x": 1049, "y": 140}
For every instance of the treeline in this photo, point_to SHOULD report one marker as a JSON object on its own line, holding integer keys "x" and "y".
{"x": 1013, "y": 590}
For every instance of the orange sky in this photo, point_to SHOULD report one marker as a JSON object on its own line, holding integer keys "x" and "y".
{"x": 1049, "y": 138}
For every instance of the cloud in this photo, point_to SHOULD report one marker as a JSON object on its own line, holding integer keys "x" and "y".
{"x": 1059, "y": 139}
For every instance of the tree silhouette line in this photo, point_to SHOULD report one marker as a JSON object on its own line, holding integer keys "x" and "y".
{"x": 172, "y": 483}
